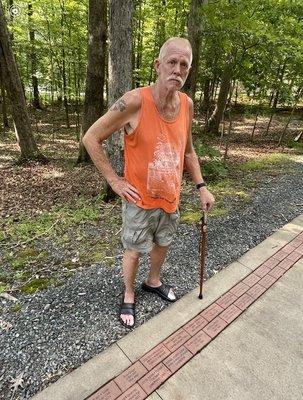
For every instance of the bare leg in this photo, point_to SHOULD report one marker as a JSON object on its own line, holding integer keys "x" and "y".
{"x": 130, "y": 267}
{"x": 157, "y": 258}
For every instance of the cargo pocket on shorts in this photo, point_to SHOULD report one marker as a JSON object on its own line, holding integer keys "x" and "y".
{"x": 174, "y": 222}
{"x": 140, "y": 232}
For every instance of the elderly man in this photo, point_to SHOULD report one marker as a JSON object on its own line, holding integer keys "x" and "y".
{"x": 156, "y": 121}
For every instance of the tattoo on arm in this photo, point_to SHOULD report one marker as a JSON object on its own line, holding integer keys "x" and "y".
{"x": 120, "y": 105}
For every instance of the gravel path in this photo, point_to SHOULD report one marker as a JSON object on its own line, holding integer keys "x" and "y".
{"x": 59, "y": 329}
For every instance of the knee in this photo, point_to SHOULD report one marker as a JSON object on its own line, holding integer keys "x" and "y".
{"x": 132, "y": 255}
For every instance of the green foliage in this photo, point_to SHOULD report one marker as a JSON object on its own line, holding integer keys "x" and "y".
{"x": 154, "y": 22}
{"x": 295, "y": 145}
{"x": 207, "y": 151}
{"x": 58, "y": 26}
{"x": 265, "y": 36}
{"x": 214, "y": 168}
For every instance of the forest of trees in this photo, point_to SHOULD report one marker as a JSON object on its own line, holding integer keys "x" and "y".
{"x": 83, "y": 55}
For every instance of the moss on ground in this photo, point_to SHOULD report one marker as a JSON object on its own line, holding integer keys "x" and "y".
{"x": 88, "y": 230}
{"x": 53, "y": 222}
{"x": 3, "y": 288}
{"x": 16, "y": 308}
{"x": 37, "y": 284}
{"x": 268, "y": 163}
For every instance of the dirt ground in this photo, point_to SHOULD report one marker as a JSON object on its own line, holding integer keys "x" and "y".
{"x": 49, "y": 252}
{"x": 33, "y": 188}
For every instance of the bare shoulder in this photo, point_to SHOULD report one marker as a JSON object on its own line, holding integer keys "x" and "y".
{"x": 190, "y": 103}
{"x": 190, "y": 106}
{"x": 130, "y": 101}
{"x": 134, "y": 97}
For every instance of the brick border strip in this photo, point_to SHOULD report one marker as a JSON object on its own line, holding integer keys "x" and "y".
{"x": 145, "y": 375}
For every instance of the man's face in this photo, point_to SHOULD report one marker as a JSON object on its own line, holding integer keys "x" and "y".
{"x": 174, "y": 67}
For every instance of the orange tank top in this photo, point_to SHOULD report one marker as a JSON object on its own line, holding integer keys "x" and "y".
{"x": 154, "y": 154}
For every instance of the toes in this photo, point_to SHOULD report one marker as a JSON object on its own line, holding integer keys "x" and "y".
{"x": 127, "y": 319}
{"x": 171, "y": 294}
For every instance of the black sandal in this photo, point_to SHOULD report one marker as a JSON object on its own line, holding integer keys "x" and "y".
{"x": 162, "y": 291}
{"x": 128, "y": 309}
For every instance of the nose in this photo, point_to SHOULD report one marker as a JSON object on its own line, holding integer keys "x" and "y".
{"x": 177, "y": 69}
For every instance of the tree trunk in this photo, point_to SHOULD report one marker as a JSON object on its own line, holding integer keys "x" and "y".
{"x": 160, "y": 36}
{"x": 139, "y": 45}
{"x": 94, "y": 100}
{"x": 3, "y": 103}
{"x": 254, "y": 128}
{"x": 26, "y": 141}
{"x": 33, "y": 58}
{"x": 195, "y": 29}
{"x": 63, "y": 69}
{"x": 53, "y": 80}
{"x": 290, "y": 116}
{"x": 228, "y": 137}
{"x": 277, "y": 93}
{"x": 236, "y": 94}
{"x": 206, "y": 95}
{"x": 269, "y": 123}
{"x": 215, "y": 119}
{"x": 120, "y": 72}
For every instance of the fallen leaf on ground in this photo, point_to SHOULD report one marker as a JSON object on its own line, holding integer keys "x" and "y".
{"x": 8, "y": 296}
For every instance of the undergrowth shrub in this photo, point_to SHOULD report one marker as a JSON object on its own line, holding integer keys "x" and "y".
{"x": 214, "y": 167}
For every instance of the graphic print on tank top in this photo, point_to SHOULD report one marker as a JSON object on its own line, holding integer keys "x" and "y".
{"x": 163, "y": 171}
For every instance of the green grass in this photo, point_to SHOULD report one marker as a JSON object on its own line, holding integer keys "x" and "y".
{"x": 54, "y": 221}
{"x": 24, "y": 257}
{"x": 71, "y": 229}
{"x": 3, "y": 288}
{"x": 16, "y": 308}
{"x": 224, "y": 191}
{"x": 37, "y": 284}
{"x": 267, "y": 163}
{"x": 191, "y": 216}
{"x": 236, "y": 186}
{"x": 297, "y": 146}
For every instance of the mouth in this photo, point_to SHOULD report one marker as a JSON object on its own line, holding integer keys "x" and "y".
{"x": 175, "y": 80}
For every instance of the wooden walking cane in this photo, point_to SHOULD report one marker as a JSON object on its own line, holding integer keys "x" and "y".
{"x": 203, "y": 240}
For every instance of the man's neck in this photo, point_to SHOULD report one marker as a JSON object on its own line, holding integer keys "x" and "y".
{"x": 165, "y": 98}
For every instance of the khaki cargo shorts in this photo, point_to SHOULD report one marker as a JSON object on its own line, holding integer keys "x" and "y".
{"x": 142, "y": 228}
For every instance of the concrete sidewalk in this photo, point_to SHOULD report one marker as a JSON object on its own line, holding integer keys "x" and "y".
{"x": 259, "y": 356}
{"x": 244, "y": 340}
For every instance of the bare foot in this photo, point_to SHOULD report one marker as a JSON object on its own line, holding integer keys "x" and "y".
{"x": 171, "y": 294}
{"x": 128, "y": 319}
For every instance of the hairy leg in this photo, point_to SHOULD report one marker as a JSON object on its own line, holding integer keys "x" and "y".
{"x": 130, "y": 267}
{"x": 157, "y": 258}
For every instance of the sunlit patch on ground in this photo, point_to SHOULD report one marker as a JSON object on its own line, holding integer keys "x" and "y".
{"x": 53, "y": 216}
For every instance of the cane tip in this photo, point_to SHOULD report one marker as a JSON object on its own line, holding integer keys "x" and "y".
{"x": 200, "y": 296}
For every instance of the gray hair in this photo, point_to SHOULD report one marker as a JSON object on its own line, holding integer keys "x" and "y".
{"x": 184, "y": 41}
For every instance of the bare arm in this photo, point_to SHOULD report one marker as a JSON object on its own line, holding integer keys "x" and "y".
{"x": 116, "y": 117}
{"x": 192, "y": 166}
